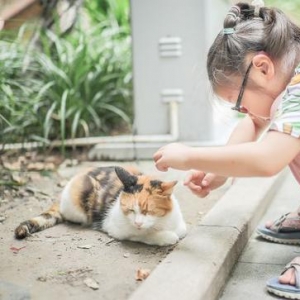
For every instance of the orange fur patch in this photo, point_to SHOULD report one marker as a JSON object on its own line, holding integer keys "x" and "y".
{"x": 151, "y": 200}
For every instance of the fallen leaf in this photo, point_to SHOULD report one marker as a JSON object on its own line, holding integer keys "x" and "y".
{"x": 142, "y": 274}
{"x": 12, "y": 166}
{"x": 16, "y": 250}
{"x": 39, "y": 166}
{"x": 91, "y": 283}
{"x": 18, "y": 179}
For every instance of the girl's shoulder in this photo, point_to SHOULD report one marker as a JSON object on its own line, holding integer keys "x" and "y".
{"x": 296, "y": 78}
{"x": 286, "y": 118}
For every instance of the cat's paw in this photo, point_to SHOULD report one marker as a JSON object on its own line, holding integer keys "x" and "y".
{"x": 169, "y": 238}
{"x": 181, "y": 231}
{"x": 165, "y": 238}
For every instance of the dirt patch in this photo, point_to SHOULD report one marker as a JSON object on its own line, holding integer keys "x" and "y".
{"x": 69, "y": 261}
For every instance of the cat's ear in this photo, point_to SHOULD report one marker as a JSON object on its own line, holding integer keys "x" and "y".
{"x": 126, "y": 178}
{"x": 167, "y": 187}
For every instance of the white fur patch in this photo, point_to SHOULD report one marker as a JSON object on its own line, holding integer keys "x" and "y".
{"x": 162, "y": 231}
{"x": 70, "y": 211}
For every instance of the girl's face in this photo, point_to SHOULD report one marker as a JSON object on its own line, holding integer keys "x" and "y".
{"x": 253, "y": 101}
{"x": 249, "y": 95}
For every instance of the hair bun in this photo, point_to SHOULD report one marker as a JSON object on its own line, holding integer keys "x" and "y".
{"x": 232, "y": 17}
{"x": 257, "y": 5}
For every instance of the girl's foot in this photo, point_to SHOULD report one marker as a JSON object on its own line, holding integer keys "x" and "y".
{"x": 285, "y": 230}
{"x": 287, "y": 285}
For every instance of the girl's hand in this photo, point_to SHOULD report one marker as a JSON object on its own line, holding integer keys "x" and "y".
{"x": 201, "y": 183}
{"x": 173, "y": 155}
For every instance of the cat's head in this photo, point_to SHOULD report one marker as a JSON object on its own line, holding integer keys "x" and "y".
{"x": 144, "y": 200}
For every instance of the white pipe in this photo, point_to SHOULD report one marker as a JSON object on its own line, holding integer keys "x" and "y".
{"x": 167, "y": 138}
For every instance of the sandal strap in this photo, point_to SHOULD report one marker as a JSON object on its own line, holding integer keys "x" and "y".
{"x": 296, "y": 267}
{"x": 277, "y": 225}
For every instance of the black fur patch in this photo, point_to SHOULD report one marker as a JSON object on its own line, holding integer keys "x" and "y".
{"x": 98, "y": 171}
{"x": 156, "y": 184}
{"x": 108, "y": 199}
{"x": 32, "y": 226}
{"x": 133, "y": 188}
{"x": 129, "y": 181}
{"x": 86, "y": 193}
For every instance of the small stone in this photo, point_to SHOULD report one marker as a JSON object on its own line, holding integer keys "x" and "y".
{"x": 85, "y": 247}
{"x": 91, "y": 283}
{"x": 42, "y": 279}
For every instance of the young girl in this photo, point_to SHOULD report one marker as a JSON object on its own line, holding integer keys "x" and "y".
{"x": 254, "y": 63}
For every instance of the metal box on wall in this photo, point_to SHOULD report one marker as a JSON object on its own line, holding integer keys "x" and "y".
{"x": 170, "y": 43}
{"x": 170, "y": 40}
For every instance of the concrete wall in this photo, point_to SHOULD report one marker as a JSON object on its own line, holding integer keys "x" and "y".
{"x": 191, "y": 25}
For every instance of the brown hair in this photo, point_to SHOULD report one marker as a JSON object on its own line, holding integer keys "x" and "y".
{"x": 269, "y": 31}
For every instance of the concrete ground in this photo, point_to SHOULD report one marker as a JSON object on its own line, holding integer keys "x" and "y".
{"x": 71, "y": 262}
{"x": 262, "y": 260}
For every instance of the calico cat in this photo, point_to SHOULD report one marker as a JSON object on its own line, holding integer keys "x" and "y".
{"x": 123, "y": 203}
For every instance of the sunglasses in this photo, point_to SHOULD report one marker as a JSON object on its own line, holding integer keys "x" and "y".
{"x": 238, "y": 107}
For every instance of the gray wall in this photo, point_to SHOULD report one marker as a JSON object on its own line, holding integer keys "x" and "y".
{"x": 195, "y": 23}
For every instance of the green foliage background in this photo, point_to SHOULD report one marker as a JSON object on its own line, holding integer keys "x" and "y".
{"x": 79, "y": 85}
{"x": 290, "y": 7}
{"x": 76, "y": 86}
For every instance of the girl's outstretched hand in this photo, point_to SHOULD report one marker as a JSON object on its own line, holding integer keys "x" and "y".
{"x": 173, "y": 156}
{"x": 201, "y": 183}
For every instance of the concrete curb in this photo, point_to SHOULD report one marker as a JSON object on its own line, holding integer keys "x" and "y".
{"x": 199, "y": 266}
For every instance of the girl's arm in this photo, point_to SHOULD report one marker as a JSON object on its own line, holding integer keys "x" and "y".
{"x": 247, "y": 130}
{"x": 202, "y": 183}
{"x": 264, "y": 158}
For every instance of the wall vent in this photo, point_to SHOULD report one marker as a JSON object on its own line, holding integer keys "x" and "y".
{"x": 170, "y": 47}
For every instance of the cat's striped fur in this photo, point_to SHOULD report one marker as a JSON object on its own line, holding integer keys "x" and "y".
{"x": 124, "y": 203}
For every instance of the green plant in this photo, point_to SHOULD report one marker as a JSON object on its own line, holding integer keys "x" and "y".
{"x": 91, "y": 82}
{"x": 20, "y": 97}
{"x": 291, "y": 7}
{"x": 103, "y": 10}
{"x": 77, "y": 86}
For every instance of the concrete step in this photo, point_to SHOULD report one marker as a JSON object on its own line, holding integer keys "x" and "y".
{"x": 262, "y": 260}
{"x": 200, "y": 265}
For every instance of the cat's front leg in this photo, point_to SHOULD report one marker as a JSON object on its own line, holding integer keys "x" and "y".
{"x": 118, "y": 235}
{"x": 161, "y": 238}
{"x": 181, "y": 230}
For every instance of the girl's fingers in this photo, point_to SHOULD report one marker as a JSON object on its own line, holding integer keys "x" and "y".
{"x": 161, "y": 167}
{"x": 194, "y": 187}
{"x": 208, "y": 178}
{"x": 194, "y": 176}
{"x": 157, "y": 156}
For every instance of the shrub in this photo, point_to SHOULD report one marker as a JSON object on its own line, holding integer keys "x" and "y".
{"x": 76, "y": 86}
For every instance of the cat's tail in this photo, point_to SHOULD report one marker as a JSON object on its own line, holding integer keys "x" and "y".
{"x": 47, "y": 219}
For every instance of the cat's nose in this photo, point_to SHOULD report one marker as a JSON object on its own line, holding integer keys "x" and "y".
{"x": 138, "y": 224}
